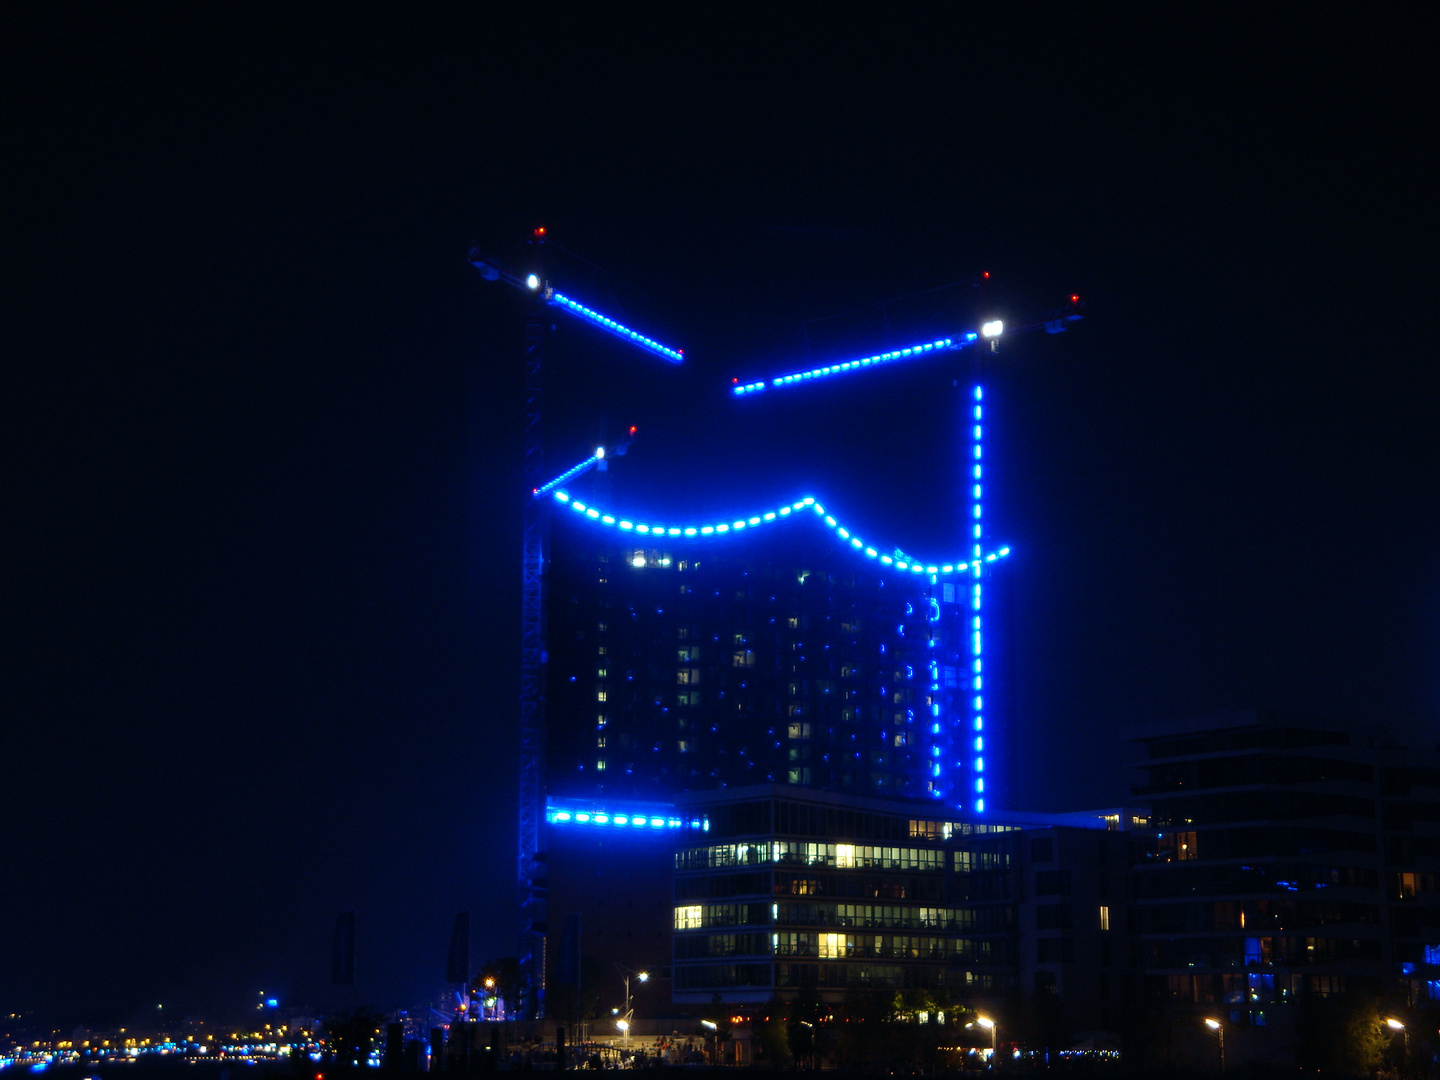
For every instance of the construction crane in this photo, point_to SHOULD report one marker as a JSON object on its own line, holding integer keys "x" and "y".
{"x": 543, "y": 297}
{"x": 952, "y": 742}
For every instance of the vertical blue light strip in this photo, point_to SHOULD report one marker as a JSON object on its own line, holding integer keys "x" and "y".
{"x": 932, "y": 722}
{"x": 977, "y": 563}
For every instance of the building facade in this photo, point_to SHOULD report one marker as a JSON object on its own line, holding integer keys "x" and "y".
{"x": 776, "y": 653}
{"x": 1291, "y": 856}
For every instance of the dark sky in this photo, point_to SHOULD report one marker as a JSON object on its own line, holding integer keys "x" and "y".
{"x": 262, "y": 421}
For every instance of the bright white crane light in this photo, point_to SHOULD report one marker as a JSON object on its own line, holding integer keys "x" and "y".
{"x": 599, "y": 452}
{"x": 994, "y": 328}
{"x": 532, "y": 282}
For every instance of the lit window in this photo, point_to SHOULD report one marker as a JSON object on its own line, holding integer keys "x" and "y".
{"x": 600, "y": 743}
{"x": 600, "y": 765}
{"x": 844, "y": 854}
{"x": 832, "y": 946}
{"x": 600, "y": 695}
{"x": 687, "y": 917}
{"x": 1104, "y": 917}
{"x": 743, "y": 658}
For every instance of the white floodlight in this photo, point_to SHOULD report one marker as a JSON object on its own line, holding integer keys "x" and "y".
{"x": 993, "y": 328}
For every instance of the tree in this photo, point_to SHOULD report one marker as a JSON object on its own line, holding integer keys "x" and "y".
{"x": 1340, "y": 1034}
{"x": 772, "y": 1039}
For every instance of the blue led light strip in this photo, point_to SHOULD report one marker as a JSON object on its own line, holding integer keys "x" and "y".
{"x": 632, "y": 817}
{"x": 911, "y": 352}
{"x": 977, "y": 708}
{"x": 728, "y": 528}
{"x": 675, "y": 356}
{"x": 570, "y": 474}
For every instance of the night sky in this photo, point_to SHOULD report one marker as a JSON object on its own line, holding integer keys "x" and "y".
{"x": 262, "y": 421}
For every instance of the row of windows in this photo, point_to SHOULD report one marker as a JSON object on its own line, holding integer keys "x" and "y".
{"x": 874, "y": 916}
{"x": 1257, "y": 951}
{"x": 877, "y": 916}
{"x": 1234, "y": 989}
{"x": 1255, "y": 914}
{"x": 884, "y": 946}
{"x": 797, "y": 852}
{"x": 708, "y": 916}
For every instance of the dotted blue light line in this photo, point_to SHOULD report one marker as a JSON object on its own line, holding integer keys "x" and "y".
{"x": 675, "y": 356}
{"x": 843, "y": 535}
{"x": 910, "y": 352}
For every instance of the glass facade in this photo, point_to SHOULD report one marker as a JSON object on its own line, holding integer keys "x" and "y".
{"x": 695, "y": 664}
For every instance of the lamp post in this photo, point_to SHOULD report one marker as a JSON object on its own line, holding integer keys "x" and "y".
{"x": 994, "y": 1029}
{"x": 714, "y": 1030}
{"x": 1396, "y": 1025}
{"x": 1219, "y": 1029}
{"x": 629, "y": 1012}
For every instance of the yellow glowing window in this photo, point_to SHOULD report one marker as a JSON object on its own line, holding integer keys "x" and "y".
{"x": 844, "y": 854}
{"x": 687, "y": 917}
{"x": 1104, "y": 917}
{"x": 832, "y": 946}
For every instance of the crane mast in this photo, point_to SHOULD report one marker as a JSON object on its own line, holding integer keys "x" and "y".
{"x": 530, "y": 882}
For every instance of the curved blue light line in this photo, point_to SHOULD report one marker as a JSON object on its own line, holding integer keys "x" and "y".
{"x": 844, "y": 536}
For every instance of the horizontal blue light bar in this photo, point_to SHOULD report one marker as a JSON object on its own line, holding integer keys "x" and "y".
{"x": 630, "y": 817}
{"x": 843, "y": 535}
{"x": 675, "y": 356}
{"x": 911, "y": 352}
{"x": 569, "y": 474}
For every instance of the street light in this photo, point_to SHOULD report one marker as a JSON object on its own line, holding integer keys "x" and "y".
{"x": 624, "y": 1022}
{"x": 714, "y": 1029}
{"x": 994, "y": 1029}
{"x": 1396, "y": 1025}
{"x": 1219, "y": 1029}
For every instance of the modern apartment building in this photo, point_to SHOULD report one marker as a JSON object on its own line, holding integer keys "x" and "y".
{"x": 1292, "y": 856}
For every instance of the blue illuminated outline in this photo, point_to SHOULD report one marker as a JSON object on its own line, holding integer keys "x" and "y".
{"x": 911, "y": 352}
{"x": 624, "y": 333}
{"x": 570, "y": 474}
{"x": 642, "y": 818}
{"x": 844, "y": 535}
{"x": 978, "y": 561}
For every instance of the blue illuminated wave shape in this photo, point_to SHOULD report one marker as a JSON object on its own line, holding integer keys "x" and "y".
{"x": 910, "y": 352}
{"x": 675, "y": 356}
{"x": 770, "y": 517}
